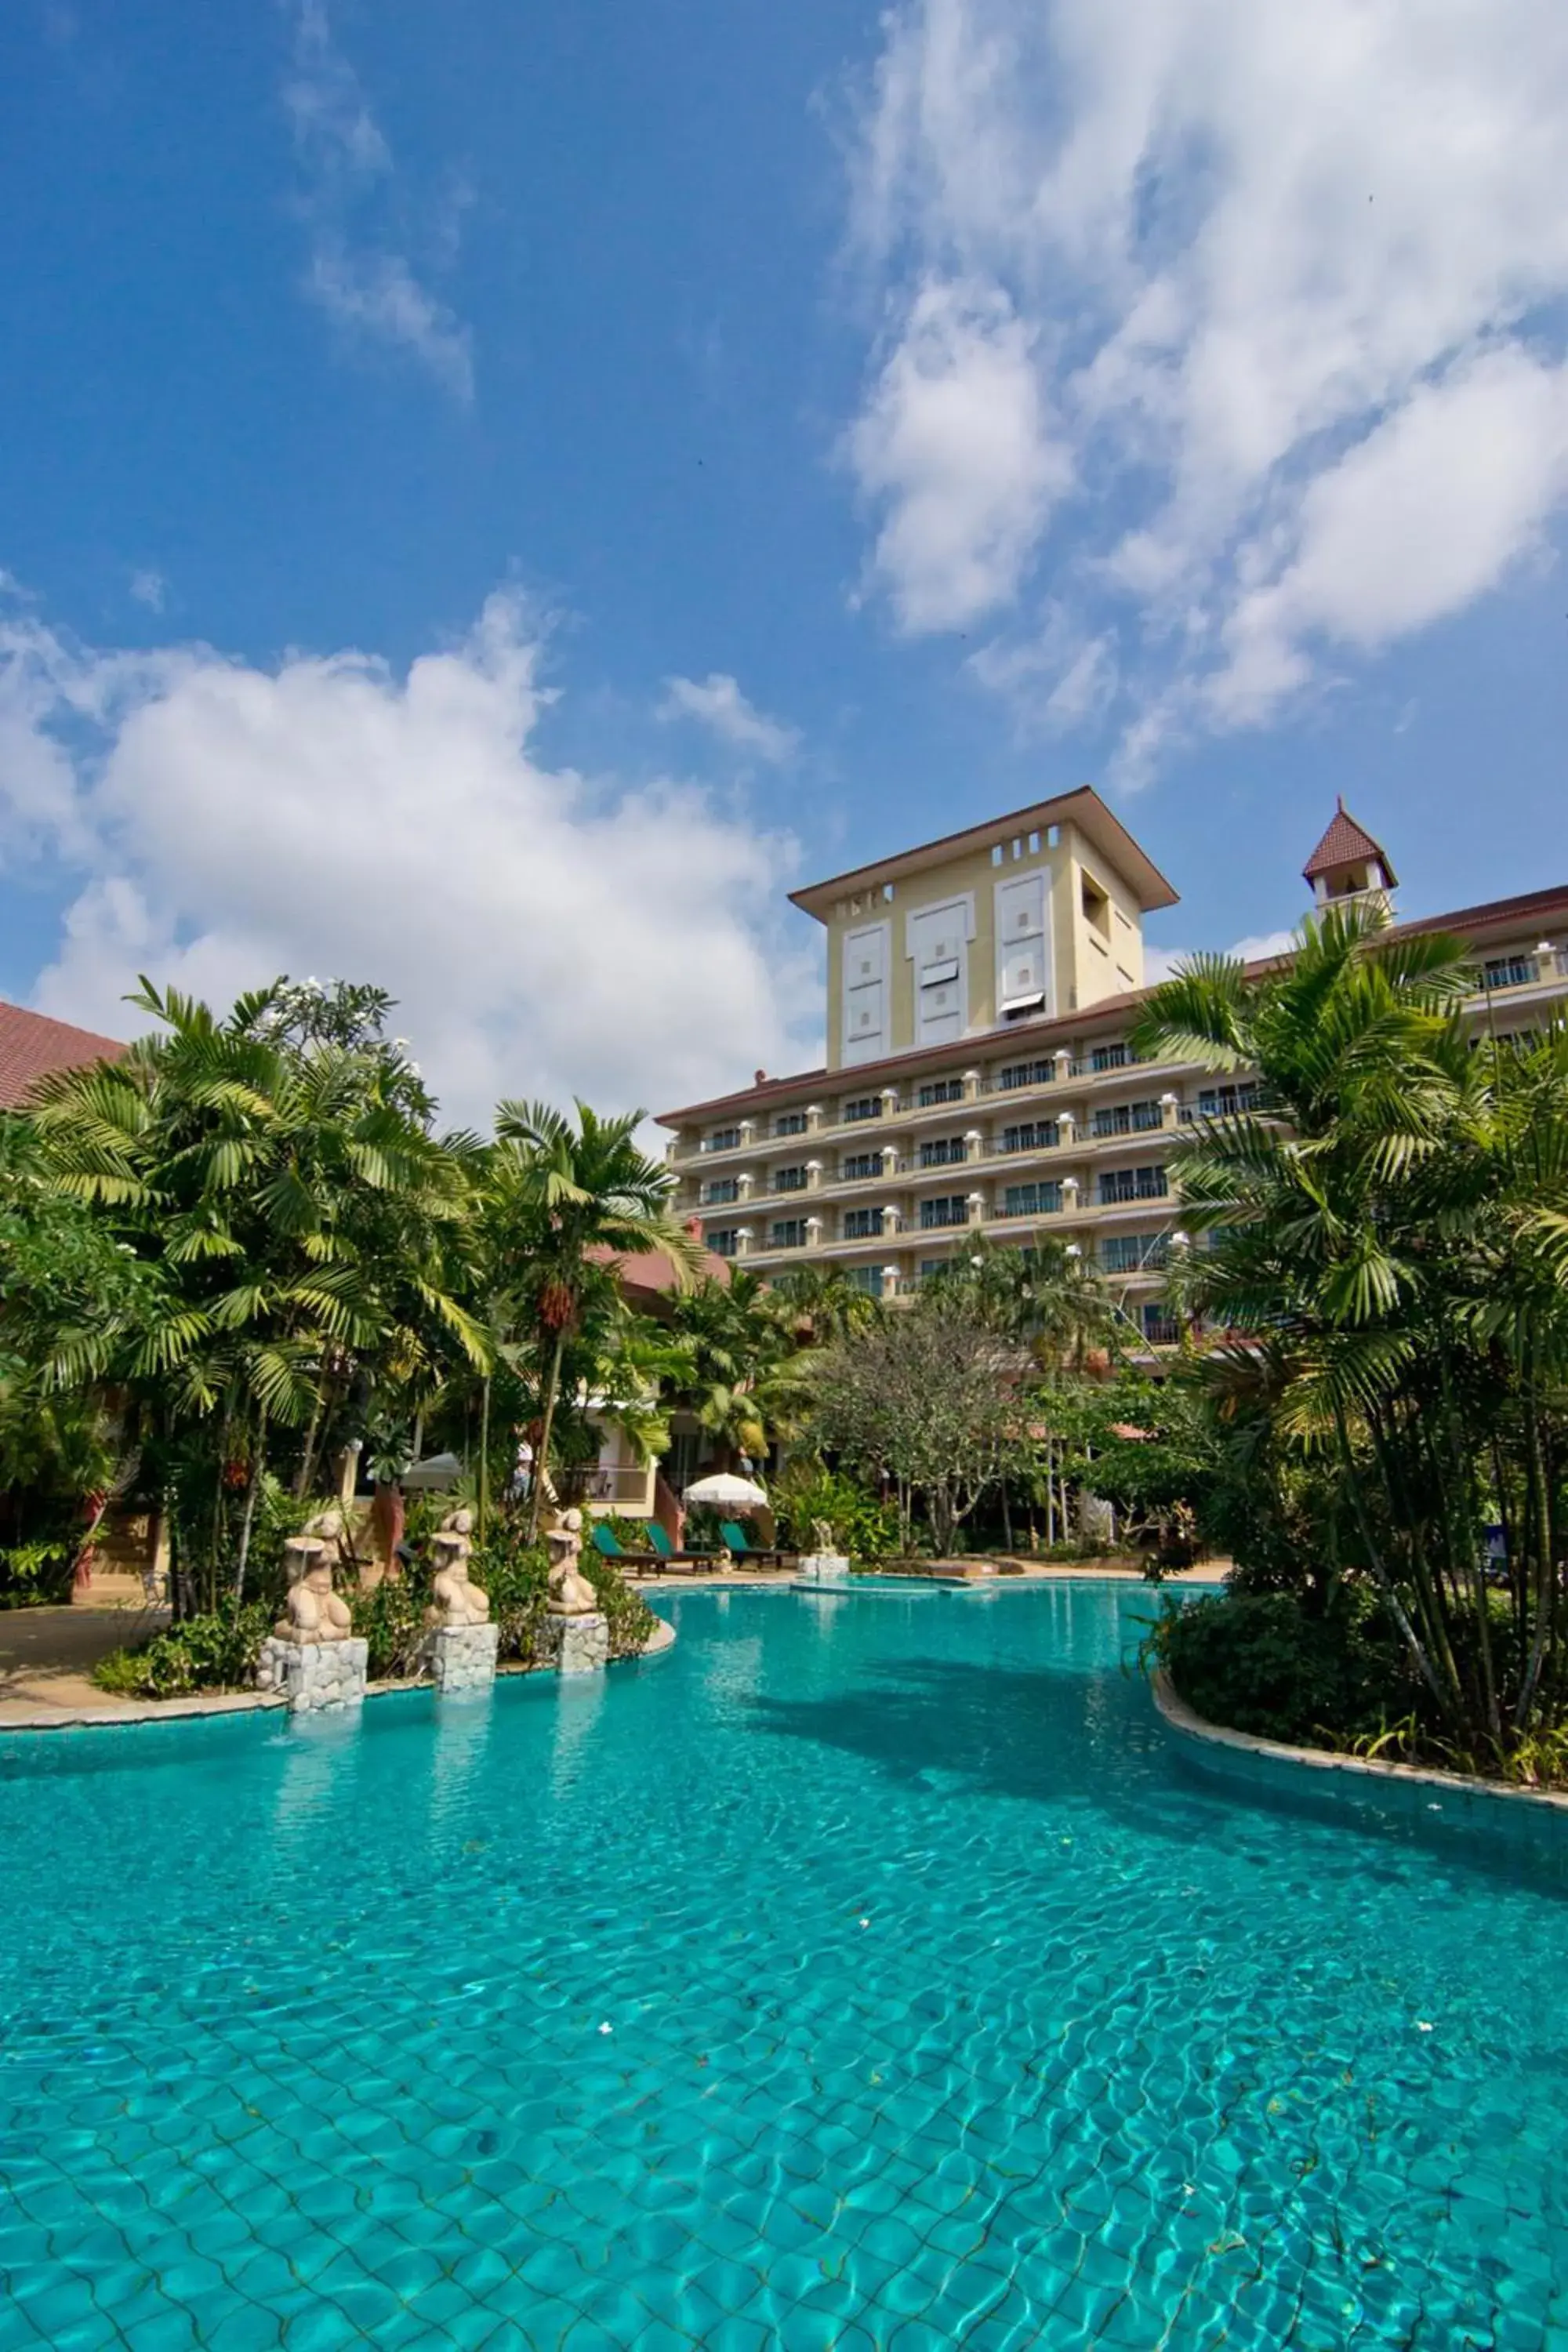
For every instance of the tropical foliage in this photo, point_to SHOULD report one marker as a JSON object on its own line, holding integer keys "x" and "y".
{"x": 1382, "y": 1254}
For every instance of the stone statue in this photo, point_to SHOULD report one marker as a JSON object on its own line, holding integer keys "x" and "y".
{"x": 458, "y": 1601}
{"x": 315, "y": 1611}
{"x": 571, "y": 1594}
{"x": 822, "y": 1537}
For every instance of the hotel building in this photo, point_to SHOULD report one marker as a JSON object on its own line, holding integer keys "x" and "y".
{"x": 979, "y": 1077}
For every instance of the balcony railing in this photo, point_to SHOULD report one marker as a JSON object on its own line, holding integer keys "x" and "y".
{"x": 599, "y": 1482}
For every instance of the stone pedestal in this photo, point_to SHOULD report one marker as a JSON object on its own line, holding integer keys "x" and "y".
{"x": 314, "y": 1675}
{"x": 577, "y": 1645}
{"x": 824, "y": 1568}
{"x": 462, "y": 1657}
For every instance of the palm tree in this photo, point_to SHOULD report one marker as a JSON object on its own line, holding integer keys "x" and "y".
{"x": 1389, "y": 1231}
{"x": 825, "y": 1305}
{"x": 275, "y": 1172}
{"x": 563, "y": 1200}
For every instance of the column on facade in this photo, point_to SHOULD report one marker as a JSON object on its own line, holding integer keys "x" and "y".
{"x": 814, "y": 1118}
{"x": 814, "y": 1233}
{"x": 1170, "y": 1110}
{"x": 742, "y": 1240}
{"x": 975, "y": 1145}
{"x": 889, "y": 1282}
{"x": 812, "y": 1175}
{"x": 971, "y": 1086}
{"x": 889, "y": 1102}
{"x": 976, "y": 1206}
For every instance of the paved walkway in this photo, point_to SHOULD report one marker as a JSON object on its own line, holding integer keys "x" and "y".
{"x": 48, "y": 1655}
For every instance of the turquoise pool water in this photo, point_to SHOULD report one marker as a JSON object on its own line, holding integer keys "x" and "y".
{"x": 861, "y": 1974}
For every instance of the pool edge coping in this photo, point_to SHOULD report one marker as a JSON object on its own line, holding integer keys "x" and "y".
{"x": 1188, "y": 1724}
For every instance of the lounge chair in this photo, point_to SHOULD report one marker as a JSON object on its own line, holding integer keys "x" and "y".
{"x": 668, "y": 1557}
{"x": 748, "y": 1555}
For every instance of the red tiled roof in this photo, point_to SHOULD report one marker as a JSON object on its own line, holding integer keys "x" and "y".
{"x": 652, "y": 1271}
{"x": 1345, "y": 842}
{"x": 32, "y": 1048}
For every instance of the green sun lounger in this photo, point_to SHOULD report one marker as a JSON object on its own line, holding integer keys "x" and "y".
{"x": 668, "y": 1557}
{"x": 748, "y": 1554}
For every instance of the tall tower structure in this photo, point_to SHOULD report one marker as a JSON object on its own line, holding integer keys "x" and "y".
{"x": 1348, "y": 867}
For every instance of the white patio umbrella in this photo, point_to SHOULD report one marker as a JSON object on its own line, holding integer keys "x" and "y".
{"x": 728, "y": 1493}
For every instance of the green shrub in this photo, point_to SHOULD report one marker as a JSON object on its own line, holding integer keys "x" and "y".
{"x": 805, "y": 1491}
{"x": 212, "y": 1653}
{"x": 391, "y": 1619}
{"x": 1257, "y": 1662}
{"x": 516, "y": 1577}
{"x": 38, "y": 1572}
{"x": 630, "y": 1620}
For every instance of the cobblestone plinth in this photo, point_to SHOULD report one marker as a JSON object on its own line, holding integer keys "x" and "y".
{"x": 463, "y": 1657}
{"x": 577, "y": 1645}
{"x": 314, "y": 1675}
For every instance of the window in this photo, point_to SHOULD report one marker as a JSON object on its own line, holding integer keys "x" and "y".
{"x": 1510, "y": 971}
{"x": 788, "y": 1233}
{"x": 788, "y": 1180}
{"x": 866, "y": 1277}
{"x": 722, "y": 1188}
{"x": 1034, "y": 844}
{"x": 1159, "y": 1326}
{"x": 952, "y": 1211}
{"x": 1134, "y": 1253}
{"x": 1108, "y": 1057}
{"x": 930, "y": 1265}
{"x": 1031, "y": 1200}
{"x": 1032, "y": 1135}
{"x": 723, "y": 1139}
{"x": 724, "y": 1241}
{"x": 790, "y": 1122}
{"x": 861, "y": 1225}
{"x": 939, "y": 1090}
{"x": 858, "y": 1164}
{"x": 944, "y": 1152}
{"x": 1127, "y": 1118}
{"x": 862, "y": 1107}
{"x": 1025, "y": 1073}
{"x": 1131, "y": 1184}
{"x": 1225, "y": 1102}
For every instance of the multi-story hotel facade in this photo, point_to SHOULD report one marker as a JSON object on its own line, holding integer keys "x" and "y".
{"x": 979, "y": 1080}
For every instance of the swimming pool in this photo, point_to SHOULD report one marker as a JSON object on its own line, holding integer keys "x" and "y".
{"x": 852, "y": 1977}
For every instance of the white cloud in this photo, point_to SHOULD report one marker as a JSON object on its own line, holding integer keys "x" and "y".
{"x": 543, "y": 933}
{"x": 149, "y": 588}
{"x": 717, "y": 703}
{"x": 364, "y": 283}
{"x": 955, "y": 447}
{"x": 1158, "y": 963}
{"x": 1288, "y": 285}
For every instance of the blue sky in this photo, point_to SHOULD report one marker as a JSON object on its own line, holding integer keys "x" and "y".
{"x": 490, "y": 496}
